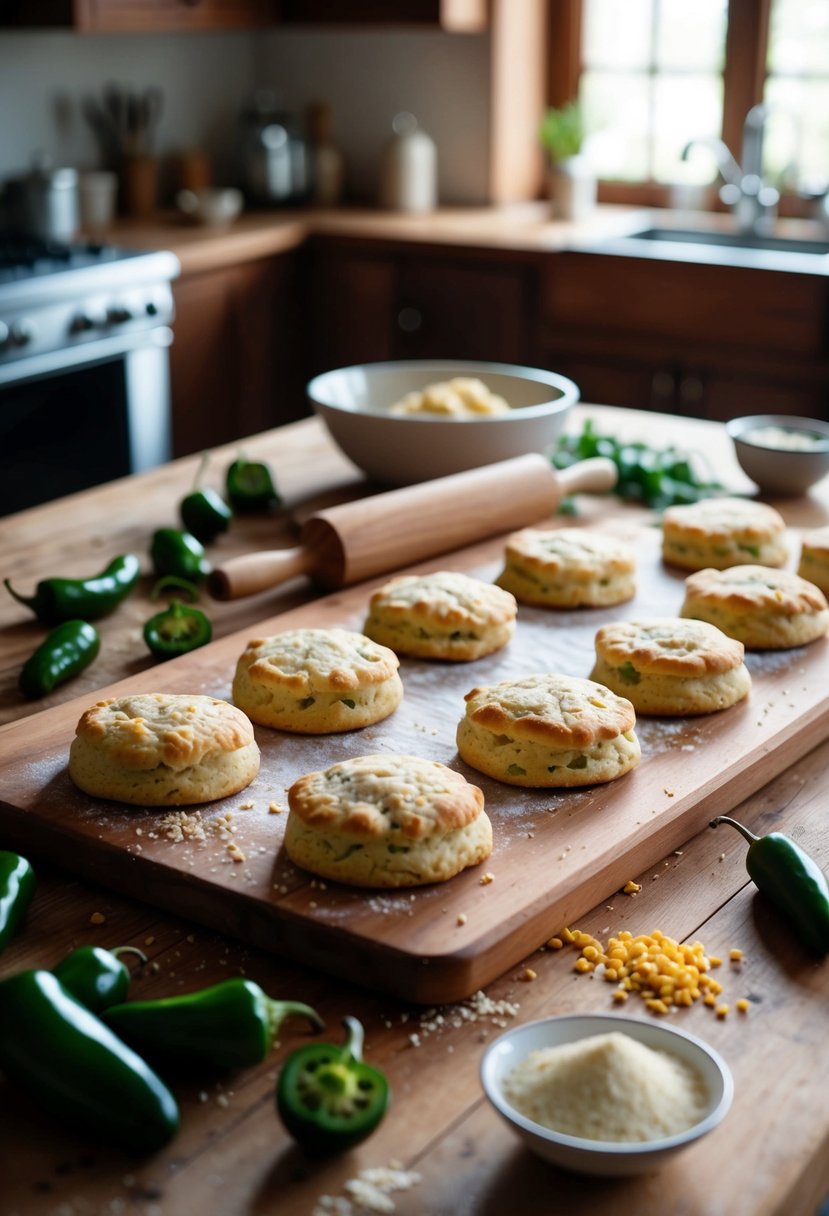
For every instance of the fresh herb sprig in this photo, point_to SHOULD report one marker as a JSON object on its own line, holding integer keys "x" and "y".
{"x": 657, "y": 478}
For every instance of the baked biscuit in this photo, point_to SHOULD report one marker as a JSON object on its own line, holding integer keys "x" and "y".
{"x": 445, "y": 615}
{"x": 764, "y": 609}
{"x": 163, "y": 749}
{"x": 548, "y": 731}
{"x": 317, "y": 681}
{"x": 814, "y": 558}
{"x": 671, "y": 666}
{"x": 717, "y": 533}
{"x": 386, "y": 821}
{"x": 568, "y": 568}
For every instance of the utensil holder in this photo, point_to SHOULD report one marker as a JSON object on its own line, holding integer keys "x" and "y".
{"x": 139, "y": 185}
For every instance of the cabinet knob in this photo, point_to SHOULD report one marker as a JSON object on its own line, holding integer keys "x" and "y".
{"x": 21, "y": 333}
{"x": 409, "y": 320}
{"x": 663, "y": 385}
{"x": 5, "y": 335}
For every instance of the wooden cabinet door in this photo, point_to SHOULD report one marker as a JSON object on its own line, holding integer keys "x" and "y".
{"x": 142, "y": 16}
{"x": 350, "y": 307}
{"x": 236, "y": 364}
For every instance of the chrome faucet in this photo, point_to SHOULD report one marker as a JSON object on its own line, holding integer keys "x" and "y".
{"x": 753, "y": 201}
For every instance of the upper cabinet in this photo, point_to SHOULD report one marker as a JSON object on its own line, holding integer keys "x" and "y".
{"x": 148, "y": 16}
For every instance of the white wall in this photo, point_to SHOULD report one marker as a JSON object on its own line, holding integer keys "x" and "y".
{"x": 44, "y": 75}
{"x": 367, "y": 76}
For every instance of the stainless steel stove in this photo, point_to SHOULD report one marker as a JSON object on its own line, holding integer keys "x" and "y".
{"x": 84, "y": 366}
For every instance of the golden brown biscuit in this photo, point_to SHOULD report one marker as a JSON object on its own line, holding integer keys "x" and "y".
{"x": 386, "y": 821}
{"x": 163, "y": 749}
{"x": 317, "y": 681}
{"x": 445, "y": 615}
{"x": 548, "y": 731}
{"x": 814, "y": 558}
{"x": 568, "y": 568}
{"x": 717, "y": 533}
{"x": 671, "y": 666}
{"x": 764, "y": 609}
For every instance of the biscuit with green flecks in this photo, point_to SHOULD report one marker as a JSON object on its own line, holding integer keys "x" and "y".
{"x": 671, "y": 666}
{"x": 548, "y": 731}
{"x": 317, "y": 681}
{"x": 568, "y": 568}
{"x": 386, "y": 821}
{"x": 445, "y": 615}
{"x": 717, "y": 533}
{"x": 764, "y": 609}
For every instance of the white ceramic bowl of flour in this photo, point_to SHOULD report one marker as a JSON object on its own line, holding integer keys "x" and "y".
{"x": 591, "y": 1156}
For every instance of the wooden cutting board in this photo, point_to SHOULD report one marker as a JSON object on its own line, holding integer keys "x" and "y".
{"x": 556, "y": 854}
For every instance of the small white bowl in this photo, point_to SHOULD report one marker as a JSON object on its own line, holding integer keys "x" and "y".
{"x": 212, "y": 205}
{"x": 598, "y": 1156}
{"x": 402, "y": 449}
{"x": 777, "y": 468}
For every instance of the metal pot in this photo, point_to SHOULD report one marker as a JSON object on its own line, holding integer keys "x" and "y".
{"x": 276, "y": 162}
{"x": 44, "y": 203}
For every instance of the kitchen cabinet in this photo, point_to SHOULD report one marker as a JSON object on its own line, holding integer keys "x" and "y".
{"x": 372, "y": 301}
{"x": 140, "y": 16}
{"x": 235, "y": 366}
{"x": 706, "y": 341}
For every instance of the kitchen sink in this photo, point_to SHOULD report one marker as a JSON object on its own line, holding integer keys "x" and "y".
{"x": 733, "y": 240}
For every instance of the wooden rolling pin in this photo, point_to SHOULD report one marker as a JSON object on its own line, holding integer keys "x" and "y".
{"x": 357, "y": 540}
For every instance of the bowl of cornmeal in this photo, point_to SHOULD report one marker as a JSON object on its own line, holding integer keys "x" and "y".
{"x": 411, "y": 421}
{"x": 606, "y": 1094}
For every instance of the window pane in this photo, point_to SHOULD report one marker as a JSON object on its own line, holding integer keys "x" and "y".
{"x": 617, "y": 33}
{"x": 685, "y": 108}
{"x": 799, "y": 39}
{"x": 797, "y": 135}
{"x": 616, "y": 109}
{"x": 691, "y": 37}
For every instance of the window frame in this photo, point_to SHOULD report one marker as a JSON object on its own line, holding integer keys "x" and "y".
{"x": 744, "y": 77}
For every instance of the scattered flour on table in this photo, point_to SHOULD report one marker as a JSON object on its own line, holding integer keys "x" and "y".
{"x": 609, "y": 1087}
{"x": 370, "y": 1192}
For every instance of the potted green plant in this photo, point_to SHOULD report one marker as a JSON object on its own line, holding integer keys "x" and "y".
{"x": 572, "y": 179}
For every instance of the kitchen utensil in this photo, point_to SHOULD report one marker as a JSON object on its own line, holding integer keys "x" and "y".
{"x": 276, "y": 161}
{"x": 409, "y": 168}
{"x": 44, "y": 202}
{"x": 354, "y": 541}
{"x": 783, "y": 454}
{"x": 212, "y": 205}
{"x": 399, "y": 449}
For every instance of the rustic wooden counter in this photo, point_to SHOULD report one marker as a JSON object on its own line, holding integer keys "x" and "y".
{"x": 770, "y": 1156}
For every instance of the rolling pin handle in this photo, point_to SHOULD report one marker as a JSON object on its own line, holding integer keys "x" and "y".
{"x": 594, "y": 476}
{"x": 254, "y": 572}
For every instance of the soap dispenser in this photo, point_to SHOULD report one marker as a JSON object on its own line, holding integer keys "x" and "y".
{"x": 408, "y": 171}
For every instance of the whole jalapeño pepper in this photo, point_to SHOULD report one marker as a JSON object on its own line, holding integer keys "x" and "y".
{"x": 178, "y": 553}
{"x": 250, "y": 486}
{"x": 66, "y": 651}
{"x": 96, "y": 977}
{"x": 328, "y": 1098}
{"x": 179, "y": 628}
{"x": 791, "y": 880}
{"x": 17, "y": 885}
{"x": 233, "y": 1024}
{"x": 76, "y": 1069}
{"x": 204, "y": 513}
{"x": 63, "y": 599}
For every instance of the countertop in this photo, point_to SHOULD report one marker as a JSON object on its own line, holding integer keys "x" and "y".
{"x": 232, "y": 1157}
{"x": 520, "y": 230}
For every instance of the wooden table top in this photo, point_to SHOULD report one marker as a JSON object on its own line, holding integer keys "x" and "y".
{"x": 771, "y": 1154}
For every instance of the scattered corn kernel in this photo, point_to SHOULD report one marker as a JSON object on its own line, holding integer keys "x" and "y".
{"x": 714, "y": 960}
{"x": 721, "y": 1011}
{"x": 583, "y": 965}
{"x": 567, "y": 935}
{"x": 527, "y": 975}
{"x": 631, "y": 887}
{"x": 742, "y": 1005}
{"x": 555, "y": 943}
{"x": 735, "y": 955}
{"x": 620, "y": 995}
{"x": 486, "y": 879}
{"x": 461, "y": 919}
{"x": 97, "y": 918}
{"x": 709, "y": 999}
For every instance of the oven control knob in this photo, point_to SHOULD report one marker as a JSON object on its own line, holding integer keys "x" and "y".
{"x": 22, "y": 333}
{"x": 118, "y": 314}
{"x": 81, "y": 324}
{"x": 5, "y": 336}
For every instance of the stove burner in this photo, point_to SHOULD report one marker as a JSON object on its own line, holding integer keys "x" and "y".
{"x": 22, "y": 255}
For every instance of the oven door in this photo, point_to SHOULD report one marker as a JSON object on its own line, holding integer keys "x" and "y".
{"x": 74, "y": 419}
